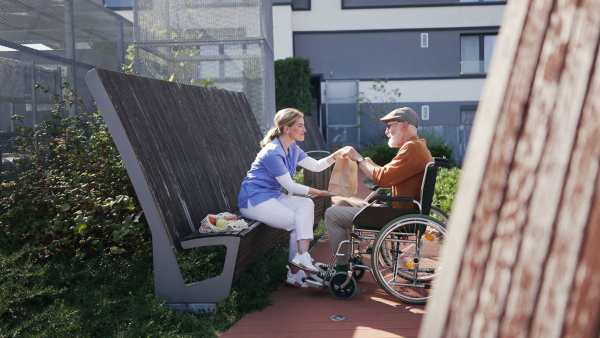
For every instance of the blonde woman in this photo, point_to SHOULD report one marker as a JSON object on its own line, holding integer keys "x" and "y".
{"x": 261, "y": 195}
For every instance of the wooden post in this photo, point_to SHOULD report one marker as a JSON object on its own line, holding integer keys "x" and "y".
{"x": 520, "y": 260}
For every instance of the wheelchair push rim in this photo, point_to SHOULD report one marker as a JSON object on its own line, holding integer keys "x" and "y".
{"x": 406, "y": 257}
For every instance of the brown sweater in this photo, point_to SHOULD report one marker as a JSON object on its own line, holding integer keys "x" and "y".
{"x": 404, "y": 174}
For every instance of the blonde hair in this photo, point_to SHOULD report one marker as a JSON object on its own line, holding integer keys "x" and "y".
{"x": 284, "y": 117}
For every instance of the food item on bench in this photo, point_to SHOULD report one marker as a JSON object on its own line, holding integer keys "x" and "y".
{"x": 221, "y": 222}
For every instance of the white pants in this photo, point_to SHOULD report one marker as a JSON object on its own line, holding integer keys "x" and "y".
{"x": 292, "y": 213}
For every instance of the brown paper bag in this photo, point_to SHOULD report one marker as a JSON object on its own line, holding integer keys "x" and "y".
{"x": 343, "y": 181}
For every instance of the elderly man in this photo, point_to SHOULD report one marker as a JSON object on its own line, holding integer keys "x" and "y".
{"x": 404, "y": 174}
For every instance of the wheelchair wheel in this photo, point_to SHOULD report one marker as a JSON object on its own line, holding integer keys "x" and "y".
{"x": 406, "y": 257}
{"x": 336, "y": 289}
{"x": 439, "y": 214}
{"x": 359, "y": 273}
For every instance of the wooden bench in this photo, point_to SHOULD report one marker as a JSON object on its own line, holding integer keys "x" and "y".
{"x": 186, "y": 150}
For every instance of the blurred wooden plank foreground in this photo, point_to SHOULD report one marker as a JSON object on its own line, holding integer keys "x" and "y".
{"x": 522, "y": 258}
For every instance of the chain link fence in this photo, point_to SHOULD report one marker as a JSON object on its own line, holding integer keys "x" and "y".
{"x": 50, "y": 42}
{"x": 229, "y": 42}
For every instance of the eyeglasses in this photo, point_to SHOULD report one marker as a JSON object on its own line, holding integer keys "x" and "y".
{"x": 389, "y": 125}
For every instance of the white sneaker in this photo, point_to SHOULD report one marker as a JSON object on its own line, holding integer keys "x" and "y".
{"x": 296, "y": 279}
{"x": 318, "y": 277}
{"x": 304, "y": 262}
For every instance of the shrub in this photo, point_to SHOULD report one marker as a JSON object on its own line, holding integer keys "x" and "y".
{"x": 71, "y": 191}
{"x": 381, "y": 154}
{"x": 292, "y": 84}
{"x": 375, "y": 104}
{"x": 445, "y": 188}
{"x": 113, "y": 296}
{"x": 437, "y": 146}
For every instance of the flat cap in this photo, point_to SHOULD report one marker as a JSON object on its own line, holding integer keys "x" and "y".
{"x": 405, "y": 114}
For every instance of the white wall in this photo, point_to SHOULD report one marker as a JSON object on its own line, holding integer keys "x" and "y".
{"x": 283, "y": 42}
{"x": 126, "y": 14}
{"x": 327, "y": 15}
{"x": 429, "y": 90}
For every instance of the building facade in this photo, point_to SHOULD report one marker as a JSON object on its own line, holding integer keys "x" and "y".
{"x": 434, "y": 55}
{"x": 430, "y": 55}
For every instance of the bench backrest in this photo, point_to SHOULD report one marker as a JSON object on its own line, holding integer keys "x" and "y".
{"x": 190, "y": 147}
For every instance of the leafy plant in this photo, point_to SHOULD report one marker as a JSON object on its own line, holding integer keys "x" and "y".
{"x": 71, "y": 192}
{"x": 108, "y": 295}
{"x": 437, "y": 146}
{"x": 445, "y": 188}
{"x": 292, "y": 84}
{"x": 377, "y": 104}
{"x": 381, "y": 154}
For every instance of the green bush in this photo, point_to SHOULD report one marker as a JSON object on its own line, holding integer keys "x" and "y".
{"x": 113, "y": 296}
{"x": 381, "y": 154}
{"x": 437, "y": 146}
{"x": 292, "y": 84}
{"x": 71, "y": 192}
{"x": 445, "y": 188}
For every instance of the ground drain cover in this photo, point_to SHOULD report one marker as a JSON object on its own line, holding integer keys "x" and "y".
{"x": 337, "y": 318}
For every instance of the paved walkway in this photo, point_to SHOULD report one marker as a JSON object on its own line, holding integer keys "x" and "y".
{"x": 310, "y": 312}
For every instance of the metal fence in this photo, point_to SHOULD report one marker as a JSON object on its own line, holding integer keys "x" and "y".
{"x": 227, "y": 41}
{"x": 455, "y": 136}
{"x": 52, "y": 41}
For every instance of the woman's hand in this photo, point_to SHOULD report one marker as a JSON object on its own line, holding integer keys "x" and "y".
{"x": 317, "y": 192}
{"x": 350, "y": 153}
{"x": 326, "y": 193}
{"x": 323, "y": 193}
{"x": 342, "y": 152}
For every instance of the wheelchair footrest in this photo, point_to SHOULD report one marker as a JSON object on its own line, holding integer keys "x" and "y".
{"x": 313, "y": 283}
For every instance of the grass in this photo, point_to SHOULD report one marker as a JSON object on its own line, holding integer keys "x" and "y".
{"x": 113, "y": 295}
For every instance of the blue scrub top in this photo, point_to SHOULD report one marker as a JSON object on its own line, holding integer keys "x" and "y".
{"x": 260, "y": 184}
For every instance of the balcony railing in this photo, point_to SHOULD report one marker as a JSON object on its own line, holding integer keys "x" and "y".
{"x": 473, "y": 67}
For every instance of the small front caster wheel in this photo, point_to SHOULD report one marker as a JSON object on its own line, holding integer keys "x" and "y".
{"x": 339, "y": 292}
{"x": 359, "y": 272}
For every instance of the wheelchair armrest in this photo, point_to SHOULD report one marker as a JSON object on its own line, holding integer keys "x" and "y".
{"x": 390, "y": 198}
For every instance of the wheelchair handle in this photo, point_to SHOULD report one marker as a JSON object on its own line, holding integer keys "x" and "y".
{"x": 442, "y": 162}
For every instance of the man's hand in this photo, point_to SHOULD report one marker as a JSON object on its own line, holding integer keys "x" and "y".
{"x": 340, "y": 152}
{"x": 351, "y": 153}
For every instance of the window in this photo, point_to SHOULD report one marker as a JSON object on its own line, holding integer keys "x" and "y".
{"x": 476, "y": 52}
{"x": 482, "y": 0}
{"x": 424, "y": 40}
{"x": 467, "y": 114}
{"x": 222, "y": 61}
{"x": 210, "y": 69}
{"x": 118, "y": 4}
{"x": 301, "y": 5}
{"x": 424, "y": 112}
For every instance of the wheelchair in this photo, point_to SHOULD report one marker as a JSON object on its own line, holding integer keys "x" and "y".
{"x": 405, "y": 245}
